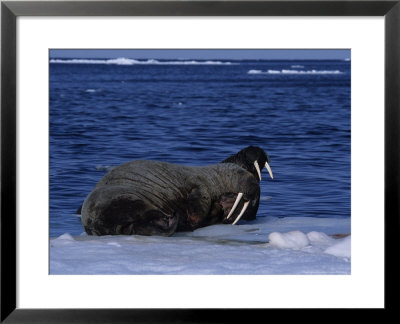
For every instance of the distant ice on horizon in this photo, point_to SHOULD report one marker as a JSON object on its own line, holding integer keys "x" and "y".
{"x": 295, "y": 72}
{"x": 129, "y": 61}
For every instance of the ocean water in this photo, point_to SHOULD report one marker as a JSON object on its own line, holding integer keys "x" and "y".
{"x": 107, "y": 112}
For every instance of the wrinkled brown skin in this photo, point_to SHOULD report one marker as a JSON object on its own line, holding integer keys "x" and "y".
{"x": 159, "y": 198}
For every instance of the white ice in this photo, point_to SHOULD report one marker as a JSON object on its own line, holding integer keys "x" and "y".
{"x": 268, "y": 245}
{"x": 128, "y": 61}
{"x": 297, "y": 72}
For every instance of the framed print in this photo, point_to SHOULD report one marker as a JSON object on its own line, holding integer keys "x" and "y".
{"x": 211, "y": 98}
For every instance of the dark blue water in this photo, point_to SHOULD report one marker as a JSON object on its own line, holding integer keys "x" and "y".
{"x": 102, "y": 115}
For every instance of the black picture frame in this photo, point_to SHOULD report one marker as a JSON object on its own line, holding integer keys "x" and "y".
{"x": 10, "y": 10}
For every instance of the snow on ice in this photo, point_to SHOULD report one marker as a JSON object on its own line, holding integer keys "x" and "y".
{"x": 268, "y": 245}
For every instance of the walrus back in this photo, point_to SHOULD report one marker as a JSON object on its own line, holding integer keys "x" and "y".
{"x": 126, "y": 199}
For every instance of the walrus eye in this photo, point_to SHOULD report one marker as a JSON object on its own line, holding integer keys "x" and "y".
{"x": 269, "y": 170}
{"x": 257, "y": 168}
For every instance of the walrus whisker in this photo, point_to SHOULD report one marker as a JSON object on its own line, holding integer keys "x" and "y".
{"x": 242, "y": 212}
{"x": 240, "y": 194}
{"x": 257, "y": 168}
{"x": 269, "y": 170}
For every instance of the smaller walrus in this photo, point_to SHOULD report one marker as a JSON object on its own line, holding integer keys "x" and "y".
{"x": 158, "y": 198}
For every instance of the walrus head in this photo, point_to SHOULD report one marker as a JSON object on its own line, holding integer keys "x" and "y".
{"x": 250, "y": 159}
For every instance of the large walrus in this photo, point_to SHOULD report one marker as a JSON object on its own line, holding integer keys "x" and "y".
{"x": 157, "y": 198}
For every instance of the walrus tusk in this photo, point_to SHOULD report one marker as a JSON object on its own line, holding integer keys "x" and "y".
{"x": 240, "y": 194}
{"x": 242, "y": 212}
{"x": 257, "y": 168}
{"x": 269, "y": 170}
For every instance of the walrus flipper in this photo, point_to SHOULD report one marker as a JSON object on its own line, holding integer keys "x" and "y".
{"x": 198, "y": 205}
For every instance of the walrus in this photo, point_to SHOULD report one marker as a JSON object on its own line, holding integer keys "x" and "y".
{"x": 144, "y": 197}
